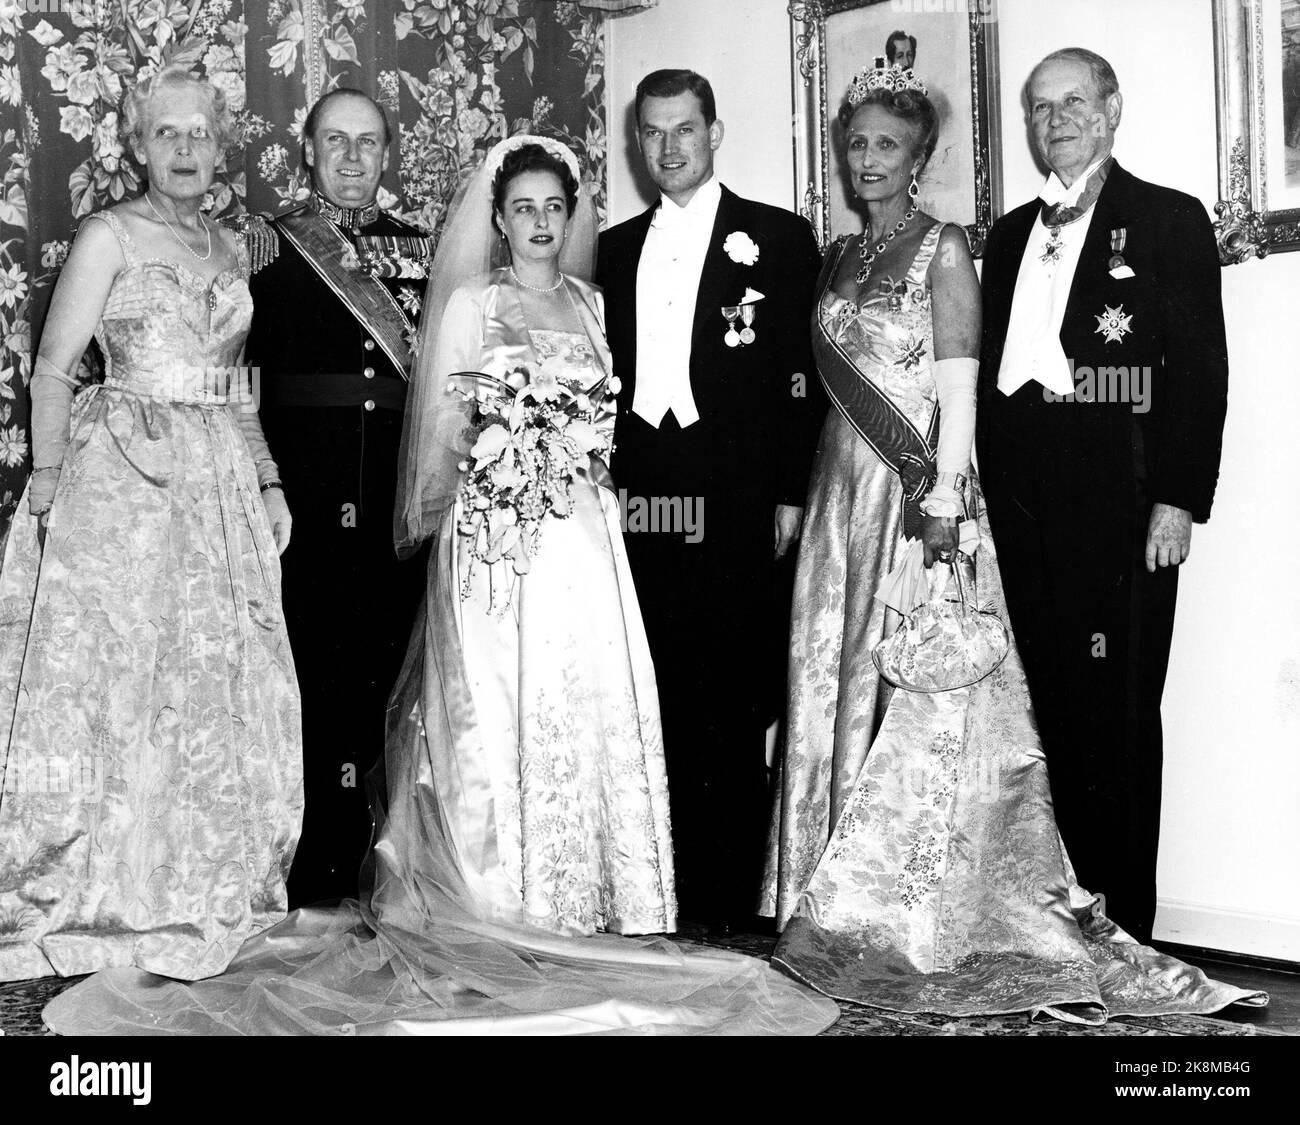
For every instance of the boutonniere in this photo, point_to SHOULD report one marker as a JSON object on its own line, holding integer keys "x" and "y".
{"x": 741, "y": 248}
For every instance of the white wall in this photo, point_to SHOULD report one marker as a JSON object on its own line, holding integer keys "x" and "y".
{"x": 743, "y": 49}
{"x": 1230, "y": 840}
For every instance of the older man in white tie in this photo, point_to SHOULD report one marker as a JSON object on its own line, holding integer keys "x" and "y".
{"x": 1103, "y": 388}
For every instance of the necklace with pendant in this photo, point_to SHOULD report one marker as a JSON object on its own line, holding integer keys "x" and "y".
{"x": 870, "y": 254}
{"x": 162, "y": 219}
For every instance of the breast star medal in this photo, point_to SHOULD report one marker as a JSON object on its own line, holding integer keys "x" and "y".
{"x": 1114, "y": 325}
{"x": 732, "y": 338}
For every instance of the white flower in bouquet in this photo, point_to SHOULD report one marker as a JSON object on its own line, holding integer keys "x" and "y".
{"x": 491, "y": 443}
{"x": 584, "y": 435}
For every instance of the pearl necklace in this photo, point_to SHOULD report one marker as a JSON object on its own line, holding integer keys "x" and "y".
{"x": 865, "y": 242}
{"x": 202, "y": 220}
{"x": 536, "y": 288}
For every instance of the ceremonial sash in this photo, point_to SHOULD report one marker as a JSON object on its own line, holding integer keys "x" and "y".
{"x": 367, "y": 298}
{"x": 874, "y": 416}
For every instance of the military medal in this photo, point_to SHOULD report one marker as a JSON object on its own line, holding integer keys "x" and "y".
{"x": 1117, "y": 266}
{"x": 732, "y": 338}
{"x": 747, "y": 315}
{"x": 1052, "y": 251}
{"x": 1117, "y": 240}
{"x": 1114, "y": 325}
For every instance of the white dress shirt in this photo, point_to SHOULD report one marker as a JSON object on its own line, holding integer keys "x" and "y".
{"x": 667, "y": 283}
{"x": 1033, "y": 346}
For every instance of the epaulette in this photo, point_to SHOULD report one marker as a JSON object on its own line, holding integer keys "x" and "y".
{"x": 260, "y": 238}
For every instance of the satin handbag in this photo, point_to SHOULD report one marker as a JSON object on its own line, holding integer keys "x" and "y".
{"x": 943, "y": 645}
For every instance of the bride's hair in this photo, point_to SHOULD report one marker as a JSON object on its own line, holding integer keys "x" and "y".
{"x": 533, "y": 158}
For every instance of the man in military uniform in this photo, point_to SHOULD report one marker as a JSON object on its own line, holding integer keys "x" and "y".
{"x": 334, "y": 316}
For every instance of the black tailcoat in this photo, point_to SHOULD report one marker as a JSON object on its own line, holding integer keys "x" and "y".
{"x": 708, "y": 605}
{"x": 331, "y": 408}
{"x": 1070, "y": 486}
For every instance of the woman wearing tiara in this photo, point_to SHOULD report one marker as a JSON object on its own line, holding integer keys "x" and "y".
{"x": 915, "y": 863}
{"x": 521, "y": 806}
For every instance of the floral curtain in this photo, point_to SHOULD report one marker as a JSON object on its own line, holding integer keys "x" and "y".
{"x": 454, "y": 75}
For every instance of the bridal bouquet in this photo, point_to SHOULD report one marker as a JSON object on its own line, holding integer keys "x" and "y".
{"x": 531, "y": 435}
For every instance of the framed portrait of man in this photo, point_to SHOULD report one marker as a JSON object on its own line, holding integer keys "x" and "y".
{"x": 1257, "y": 79}
{"x": 952, "y": 49}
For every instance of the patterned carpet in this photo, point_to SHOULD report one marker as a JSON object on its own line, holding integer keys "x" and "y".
{"x": 21, "y": 1003}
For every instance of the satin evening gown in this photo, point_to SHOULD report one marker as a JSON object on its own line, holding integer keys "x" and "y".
{"x": 520, "y": 810}
{"x": 150, "y": 739}
{"x": 914, "y": 863}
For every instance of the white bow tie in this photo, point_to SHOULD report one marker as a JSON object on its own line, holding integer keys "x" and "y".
{"x": 1055, "y": 192}
{"x": 671, "y": 217}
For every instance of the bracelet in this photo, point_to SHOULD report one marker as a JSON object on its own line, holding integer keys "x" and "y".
{"x": 270, "y": 485}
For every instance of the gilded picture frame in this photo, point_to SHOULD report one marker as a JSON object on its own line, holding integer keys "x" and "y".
{"x": 1257, "y": 85}
{"x": 955, "y": 55}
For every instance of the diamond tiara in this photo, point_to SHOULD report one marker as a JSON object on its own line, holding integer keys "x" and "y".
{"x": 882, "y": 77}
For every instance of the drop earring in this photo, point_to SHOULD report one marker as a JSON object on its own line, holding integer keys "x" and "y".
{"x": 914, "y": 189}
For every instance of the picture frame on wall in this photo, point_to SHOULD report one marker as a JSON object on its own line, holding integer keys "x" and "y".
{"x": 955, "y": 55}
{"x": 1257, "y": 83}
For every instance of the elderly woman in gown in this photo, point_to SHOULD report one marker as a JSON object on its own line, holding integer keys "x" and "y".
{"x": 150, "y": 740}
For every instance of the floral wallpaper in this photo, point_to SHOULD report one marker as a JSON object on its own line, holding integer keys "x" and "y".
{"x": 454, "y": 75}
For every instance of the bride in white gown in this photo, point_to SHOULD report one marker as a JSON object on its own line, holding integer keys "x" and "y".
{"x": 521, "y": 807}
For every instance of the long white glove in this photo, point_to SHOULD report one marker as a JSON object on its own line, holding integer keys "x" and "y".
{"x": 268, "y": 474}
{"x": 954, "y": 381}
{"x": 51, "y": 391}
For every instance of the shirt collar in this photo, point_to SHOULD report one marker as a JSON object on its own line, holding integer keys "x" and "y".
{"x": 703, "y": 206}
{"x": 1054, "y": 191}
{"x": 353, "y": 218}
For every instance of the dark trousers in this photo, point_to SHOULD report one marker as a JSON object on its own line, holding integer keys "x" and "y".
{"x": 707, "y": 610}
{"x": 1093, "y": 629}
{"x": 349, "y": 605}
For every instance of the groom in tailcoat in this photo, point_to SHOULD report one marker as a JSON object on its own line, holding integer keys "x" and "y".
{"x": 1103, "y": 388}
{"x": 708, "y": 298}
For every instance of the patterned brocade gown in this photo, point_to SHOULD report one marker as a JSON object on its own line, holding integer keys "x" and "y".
{"x": 550, "y": 774}
{"x": 150, "y": 738}
{"x": 915, "y": 863}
